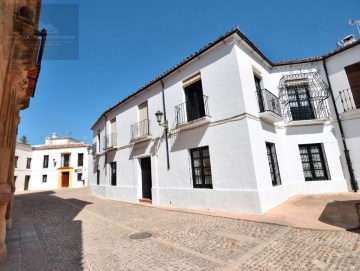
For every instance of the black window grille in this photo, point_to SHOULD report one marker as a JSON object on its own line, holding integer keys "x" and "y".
{"x": 79, "y": 176}
{"x": 201, "y": 167}
{"x": 65, "y": 160}
{"x": 46, "y": 161}
{"x": 28, "y": 163}
{"x": 299, "y": 101}
{"x": 314, "y": 162}
{"x": 273, "y": 164}
{"x": 80, "y": 159}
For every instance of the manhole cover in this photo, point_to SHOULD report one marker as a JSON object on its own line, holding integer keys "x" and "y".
{"x": 140, "y": 235}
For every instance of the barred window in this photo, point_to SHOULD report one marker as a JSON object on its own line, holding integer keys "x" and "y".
{"x": 201, "y": 167}
{"x": 273, "y": 164}
{"x": 314, "y": 162}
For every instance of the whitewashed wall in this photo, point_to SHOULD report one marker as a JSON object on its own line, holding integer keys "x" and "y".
{"x": 236, "y": 139}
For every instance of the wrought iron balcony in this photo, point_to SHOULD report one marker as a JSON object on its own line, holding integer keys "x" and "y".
{"x": 268, "y": 103}
{"x": 110, "y": 140}
{"x": 347, "y": 100}
{"x": 307, "y": 110}
{"x": 140, "y": 131}
{"x": 192, "y": 110}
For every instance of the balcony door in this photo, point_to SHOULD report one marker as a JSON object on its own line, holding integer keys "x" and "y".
{"x": 194, "y": 99}
{"x": 143, "y": 125}
{"x": 299, "y": 101}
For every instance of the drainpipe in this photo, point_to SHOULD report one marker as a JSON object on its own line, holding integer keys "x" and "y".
{"x": 166, "y": 128}
{"x": 43, "y": 35}
{"x": 353, "y": 182}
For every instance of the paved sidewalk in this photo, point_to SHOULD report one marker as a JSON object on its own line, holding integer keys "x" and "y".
{"x": 72, "y": 230}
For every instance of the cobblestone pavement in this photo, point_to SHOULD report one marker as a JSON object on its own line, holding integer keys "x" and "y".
{"x": 80, "y": 232}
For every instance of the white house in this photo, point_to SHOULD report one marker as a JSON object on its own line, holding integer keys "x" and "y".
{"x": 59, "y": 163}
{"x": 238, "y": 132}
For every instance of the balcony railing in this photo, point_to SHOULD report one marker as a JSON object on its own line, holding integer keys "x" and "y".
{"x": 140, "y": 129}
{"x": 268, "y": 102}
{"x": 110, "y": 140}
{"x": 193, "y": 110}
{"x": 347, "y": 100}
{"x": 306, "y": 110}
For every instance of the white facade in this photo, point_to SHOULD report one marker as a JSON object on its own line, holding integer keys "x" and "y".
{"x": 229, "y": 127}
{"x": 59, "y": 163}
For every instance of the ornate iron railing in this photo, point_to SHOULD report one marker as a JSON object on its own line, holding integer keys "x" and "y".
{"x": 193, "y": 110}
{"x": 140, "y": 129}
{"x": 312, "y": 110}
{"x": 347, "y": 99}
{"x": 267, "y": 101}
{"x": 110, "y": 140}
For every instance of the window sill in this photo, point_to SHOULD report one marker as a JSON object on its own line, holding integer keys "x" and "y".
{"x": 110, "y": 148}
{"x": 194, "y": 123}
{"x": 270, "y": 117}
{"x": 321, "y": 121}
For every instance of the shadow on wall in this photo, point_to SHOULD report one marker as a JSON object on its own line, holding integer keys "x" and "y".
{"x": 187, "y": 139}
{"x": 53, "y": 220}
{"x": 313, "y": 129}
{"x": 342, "y": 214}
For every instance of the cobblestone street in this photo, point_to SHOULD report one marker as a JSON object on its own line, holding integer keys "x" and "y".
{"x": 80, "y": 232}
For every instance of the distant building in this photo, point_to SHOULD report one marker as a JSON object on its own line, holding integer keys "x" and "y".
{"x": 242, "y": 133}
{"x": 61, "y": 162}
{"x": 21, "y": 48}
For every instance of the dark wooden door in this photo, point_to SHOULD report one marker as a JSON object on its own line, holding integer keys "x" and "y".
{"x": 146, "y": 177}
{"x": 194, "y": 101}
{"x": 26, "y": 184}
{"x": 353, "y": 74}
{"x": 113, "y": 173}
{"x": 65, "y": 179}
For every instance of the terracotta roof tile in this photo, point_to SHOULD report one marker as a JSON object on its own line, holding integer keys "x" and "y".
{"x": 61, "y": 146}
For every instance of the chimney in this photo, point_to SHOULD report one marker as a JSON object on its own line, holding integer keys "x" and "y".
{"x": 47, "y": 141}
{"x": 54, "y": 135}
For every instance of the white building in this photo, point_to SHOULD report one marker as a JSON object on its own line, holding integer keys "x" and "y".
{"x": 59, "y": 163}
{"x": 231, "y": 143}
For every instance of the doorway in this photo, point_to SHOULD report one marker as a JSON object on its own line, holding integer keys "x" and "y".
{"x": 194, "y": 101}
{"x": 26, "y": 184}
{"x": 145, "y": 164}
{"x": 65, "y": 179}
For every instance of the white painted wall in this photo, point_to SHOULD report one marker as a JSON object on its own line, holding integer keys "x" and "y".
{"x": 235, "y": 136}
{"x": 37, "y": 171}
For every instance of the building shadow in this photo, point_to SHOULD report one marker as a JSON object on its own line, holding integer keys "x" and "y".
{"x": 43, "y": 221}
{"x": 342, "y": 214}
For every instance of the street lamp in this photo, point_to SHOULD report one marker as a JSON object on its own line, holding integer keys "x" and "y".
{"x": 159, "y": 116}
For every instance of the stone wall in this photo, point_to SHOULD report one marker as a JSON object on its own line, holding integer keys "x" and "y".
{"x": 19, "y": 71}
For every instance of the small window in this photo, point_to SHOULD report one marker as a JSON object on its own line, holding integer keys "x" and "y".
{"x": 314, "y": 162}
{"x": 16, "y": 161}
{"x": 273, "y": 164}
{"x": 201, "y": 167}
{"x": 44, "y": 178}
{"x": 80, "y": 159}
{"x": 28, "y": 163}
{"x": 46, "y": 161}
{"x": 79, "y": 177}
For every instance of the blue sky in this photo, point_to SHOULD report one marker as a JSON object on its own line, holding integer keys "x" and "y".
{"x": 125, "y": 44}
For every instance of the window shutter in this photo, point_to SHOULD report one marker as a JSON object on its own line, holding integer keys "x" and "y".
{"x": 353, "y": 74}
